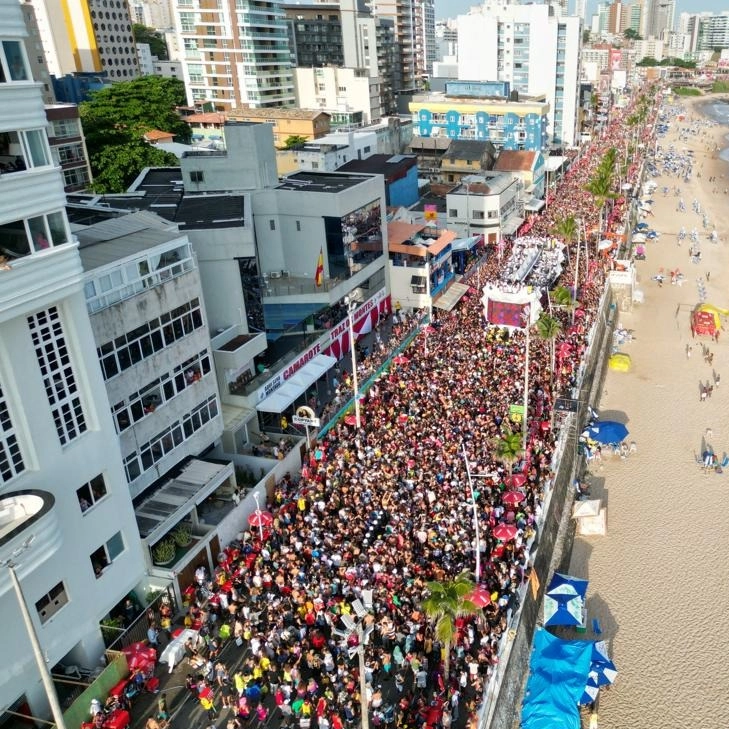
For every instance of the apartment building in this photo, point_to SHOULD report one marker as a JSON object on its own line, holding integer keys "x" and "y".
{"x": 235, "y": 53}
{"x": 66, "y": 519}
{"x": 307, "y": 123}
{"x": 532, "y": 48}
{"x": 87, "y": 36}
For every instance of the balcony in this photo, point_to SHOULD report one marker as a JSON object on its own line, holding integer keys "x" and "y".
{"x": 234, "y": 348}
{"x": 28, "y": 515}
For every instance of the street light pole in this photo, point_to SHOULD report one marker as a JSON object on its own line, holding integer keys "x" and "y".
{"x": 577, "y": 267}
{"x": 476, "y": 527}
{"x": 45, "y": 674}
{"x": 524, "y": 428}
{"x": 364, "y": 704}
{"x": 351, "y": 306}
{"x": 258, "y": 511}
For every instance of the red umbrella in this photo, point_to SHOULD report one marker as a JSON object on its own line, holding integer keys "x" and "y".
{"x": 351, "y": 419}
{"x": 515, "y": 481}
{"x": 505, "y": 532}
{"x": 260, "y": 519}
{"x": 512, "y": 498}
{"x": 480, "y": 597}
{"x": 400, "y": 359}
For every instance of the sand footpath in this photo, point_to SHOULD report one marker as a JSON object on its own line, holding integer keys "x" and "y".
{"x": 659, "y": 580}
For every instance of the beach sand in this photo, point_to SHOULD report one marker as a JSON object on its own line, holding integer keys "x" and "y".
{"x": 659, "y": 582}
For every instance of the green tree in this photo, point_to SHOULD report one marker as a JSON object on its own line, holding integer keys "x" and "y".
{"x": 508, "y": 447}
{"x": 647, "y": 61}
{"x": 632, "y": 34}
{"x": 114, "y": 121}
{"x": 585, "y": 36}
{"x": 155, "y": 39}
{"x": 601, "y": 186}
{"x": 566, "y": 229}
{"x": 446, "y": 602}
{"x": 295, "y": 140}
{"x": 548, "y": 329}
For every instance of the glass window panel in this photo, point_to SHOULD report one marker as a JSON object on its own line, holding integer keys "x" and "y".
{"x": 14, "y": 239}
{"x": 37, "y": 149}
{"x": 115, "y": 546}
{"x": 38, "y": 233}
{"x": 57, "y": 227}
{"x": 15, "y": 61}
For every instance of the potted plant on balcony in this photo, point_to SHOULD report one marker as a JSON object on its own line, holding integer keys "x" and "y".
{"x": 182, "y": 534}
{"x": 163, "y": 553}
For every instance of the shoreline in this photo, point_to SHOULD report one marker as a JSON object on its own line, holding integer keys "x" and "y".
{"x": 655, "y": 495}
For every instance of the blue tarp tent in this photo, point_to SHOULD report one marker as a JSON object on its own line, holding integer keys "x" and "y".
{"x": 558, "y": 672}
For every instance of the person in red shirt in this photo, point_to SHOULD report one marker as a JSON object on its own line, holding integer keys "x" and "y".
{"x": 336, "y": 721}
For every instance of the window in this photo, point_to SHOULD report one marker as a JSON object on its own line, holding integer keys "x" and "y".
{"x": 71, "y": 153}
{"x": 298, "y": 226}
{"x": 91, "y": 493}
{"x": 138, "y": 344}
{"x": 12, "y": 62}
{"x": 59, "y": 379}
{"x": 478, "y": 215}
{"x": 197, "y": 176}
{"x": 11, "y": 460}
{"x": 272, "y": 224}
{"x": 161, "y": 390}
{"x": 77, "y": 177}
{"x": 453, "y": 213}
{"x": 24, "y": 150}
{"x": 106, "y": 554}
{"x": 164, "y": 442}
{"x": 52, "y": 602}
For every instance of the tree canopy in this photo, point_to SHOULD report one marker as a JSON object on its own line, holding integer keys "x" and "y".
{"x": 155, "y": 39}
{"x": 114, "y": 121}
{"x": 632, "y": 34}
{"x": 295, "y": 140}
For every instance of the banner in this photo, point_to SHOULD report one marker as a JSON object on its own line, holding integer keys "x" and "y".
{"x": 431, "y": 212}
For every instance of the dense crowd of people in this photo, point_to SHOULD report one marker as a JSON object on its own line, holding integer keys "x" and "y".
{"x": 378, "y": 512}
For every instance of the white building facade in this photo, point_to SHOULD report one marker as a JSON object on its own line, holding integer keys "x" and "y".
{"x": 338, "y": 90}
{"x": 56, "y": 433}
{"x": 533, "y": 49}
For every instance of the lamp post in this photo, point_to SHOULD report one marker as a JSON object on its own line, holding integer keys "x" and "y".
{"x": 258, "y": 511}
{"x": 577, "y": 266}
{"x": 524, "y": 428}
{"x": 357, "y": 629}
{"x": 40, "y": 660}
{"x": 351, "y": 306}
{"x": 477, "y": 529}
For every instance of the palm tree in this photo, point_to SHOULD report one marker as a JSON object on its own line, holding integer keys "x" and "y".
{"x": 548, "y": 328}
{"x": 601, "y": 189}
{"x": 446, "y": 602}
{"x": 566, "y": 229}
{"x": 508, "y": 447}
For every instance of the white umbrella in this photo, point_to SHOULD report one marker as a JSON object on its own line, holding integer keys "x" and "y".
{"x": 590, "y": 507}
{"x": 639, "y": 238}
{"x": 626, "y": 186}
{"x": 605, "y": 245}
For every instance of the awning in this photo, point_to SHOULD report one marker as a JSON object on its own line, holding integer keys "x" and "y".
{"x": 234, "y": 418}
{"x": 534, "y": 205}
{"x": 451, "y": 297}
{"x": 511, "y": 225}
{"x": 296, "y": 385}
{"x": 465, "y": 244}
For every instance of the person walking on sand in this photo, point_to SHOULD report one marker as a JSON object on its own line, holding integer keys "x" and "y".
{"x": 689, "y": 349}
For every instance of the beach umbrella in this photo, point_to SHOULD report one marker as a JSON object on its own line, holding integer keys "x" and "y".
{"x": 505, "y": 532}
{"x": 260, "y": 519}
{"x": 512, "y": 498}
{"x": 601, "y": 665}
{"x": 400, "y": 359}
{"x": 480, "y": 597}
{"x": 515, "y": 481}
{"x": 564, "y": 600}
{"x": 591, "y": 690}
{"x": 639, "y": 238}
{"x": 608, "y": 431}
{"x": 620, "y": 362}
{"x": 642, "y": 226}
{"x": 351, "y": 419}
{"x": 605, "y": 245}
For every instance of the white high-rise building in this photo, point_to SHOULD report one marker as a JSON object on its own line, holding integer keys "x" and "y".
{"x": 62, "y": 484}
{"x": 235, "y": 53}
{"x": 533, "y": 49}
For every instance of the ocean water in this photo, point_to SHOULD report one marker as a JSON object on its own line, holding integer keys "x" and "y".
{"x": 719, "y": 112}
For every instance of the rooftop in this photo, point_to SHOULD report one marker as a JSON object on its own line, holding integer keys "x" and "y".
{"x": 493, "y": 184}
{"x": 332, "y": 182}
{"x": 382, "y": 164}
{"x": 121, "y": 237}
{"x": 275, "y": 113}
{"x": 469, "y": 149}
{"x": 211, "y": 210}
{"x": 515, "y": 160}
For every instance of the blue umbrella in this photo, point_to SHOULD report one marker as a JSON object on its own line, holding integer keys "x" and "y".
{"x": 607, "y": 431}
{"x": 564, "y": 600}
{"x": 591, "y": 689}
{"x": 601, "y": 665}
{"x": 642, "y": 226}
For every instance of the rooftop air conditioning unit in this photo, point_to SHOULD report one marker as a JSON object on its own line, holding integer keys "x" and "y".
{"x": 275, "y": 274}
{"x": 284, "y": 274}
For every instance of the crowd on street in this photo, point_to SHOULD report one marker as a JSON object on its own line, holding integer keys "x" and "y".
{"x": 380, "y": 511}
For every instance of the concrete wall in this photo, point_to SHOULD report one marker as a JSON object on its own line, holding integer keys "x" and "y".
{"x": 548, "y": 551}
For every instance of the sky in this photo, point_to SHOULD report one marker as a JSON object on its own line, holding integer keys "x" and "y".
{"x": 451, "y": 8}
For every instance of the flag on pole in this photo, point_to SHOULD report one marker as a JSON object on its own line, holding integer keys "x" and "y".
{"x": 431, "y": 212}
{"x": 319, "y": 275}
